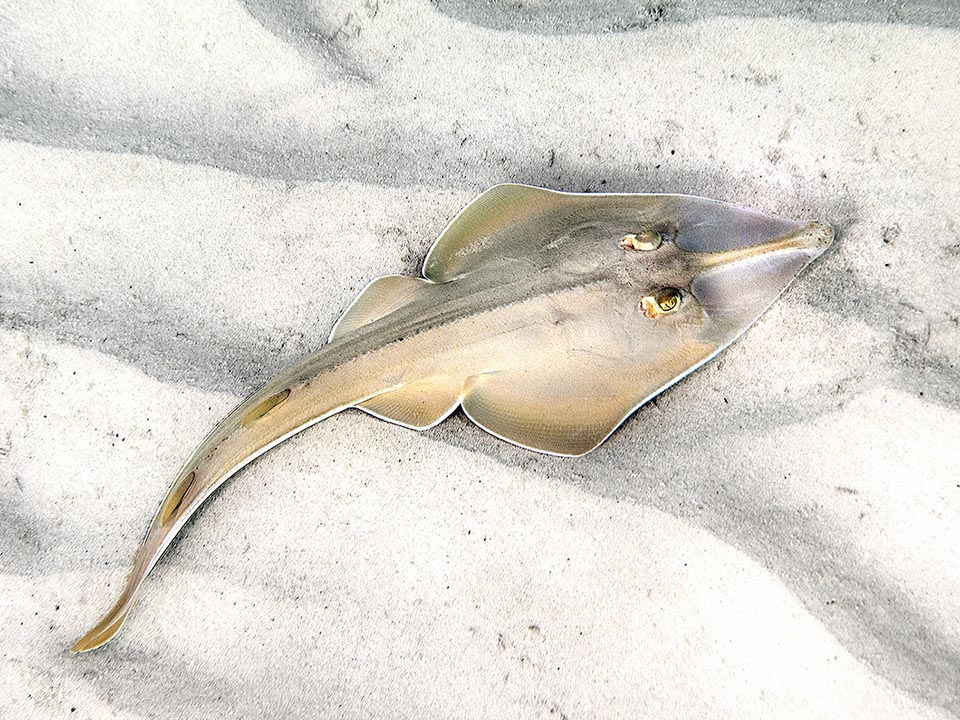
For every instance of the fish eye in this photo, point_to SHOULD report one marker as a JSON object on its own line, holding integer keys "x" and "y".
{"x": 661, "y": 302}
{"x": 644, "y": 240}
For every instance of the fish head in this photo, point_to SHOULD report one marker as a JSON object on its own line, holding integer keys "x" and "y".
{"x": 710, "y": 274}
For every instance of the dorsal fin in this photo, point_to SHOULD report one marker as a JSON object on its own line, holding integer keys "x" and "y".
{"x": 463, "y": 244}
{"x": 377, "y": 300}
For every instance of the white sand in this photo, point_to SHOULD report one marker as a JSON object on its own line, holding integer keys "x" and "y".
{"x": 189, "y": 196}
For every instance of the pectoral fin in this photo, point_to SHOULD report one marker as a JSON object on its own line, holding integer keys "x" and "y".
{"x": 501, "y": 220}
{"x": 519, "y": 222}
{"x": 572, "y": 406}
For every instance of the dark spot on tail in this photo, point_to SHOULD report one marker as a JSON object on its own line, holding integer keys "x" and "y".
{"x": 263, "y": 408}
{"x": 173, "y": 502}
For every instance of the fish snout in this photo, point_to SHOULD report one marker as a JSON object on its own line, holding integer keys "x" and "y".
{"x": 738, "y": 285}
{"x": 815, "y": 237}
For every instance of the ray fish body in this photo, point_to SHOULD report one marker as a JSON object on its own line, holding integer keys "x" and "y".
{"x": 549, "y": 317}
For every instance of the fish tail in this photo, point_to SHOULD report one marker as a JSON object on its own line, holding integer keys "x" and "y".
{"x": 108, "y": 627}
{"x": 266, "y": 418}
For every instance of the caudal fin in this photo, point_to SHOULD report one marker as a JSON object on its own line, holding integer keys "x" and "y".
{"x": 109, "y": 626}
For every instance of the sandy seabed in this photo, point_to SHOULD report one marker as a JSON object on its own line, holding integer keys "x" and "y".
{"x": 190, "y": 194}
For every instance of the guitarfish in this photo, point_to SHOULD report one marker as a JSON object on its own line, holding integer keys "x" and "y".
{"x": 548, "y": 317}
